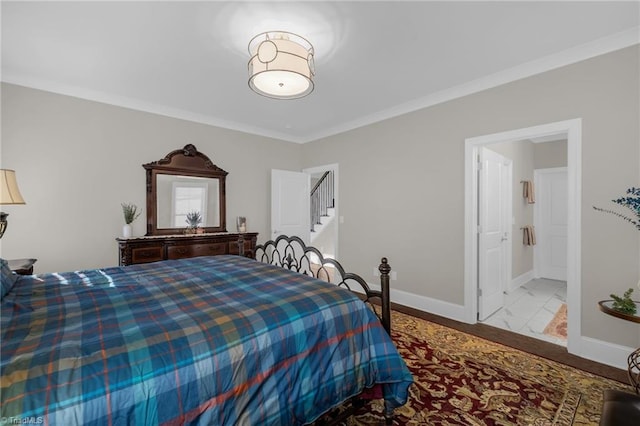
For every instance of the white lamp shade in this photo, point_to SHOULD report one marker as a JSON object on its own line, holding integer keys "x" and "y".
{"x": 281, "y": 65}
{"x": 9, "y": 192}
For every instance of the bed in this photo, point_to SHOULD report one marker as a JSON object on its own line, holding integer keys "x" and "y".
{"x": 220, "y": 340}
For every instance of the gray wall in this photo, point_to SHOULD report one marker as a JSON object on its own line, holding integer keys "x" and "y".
{"x": 402, "y": 181}
{"x": 77, "y": 160}
{"x": 547, "y": 155}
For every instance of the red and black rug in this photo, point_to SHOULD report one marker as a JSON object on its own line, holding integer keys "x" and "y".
{"x": 461, "y": 379}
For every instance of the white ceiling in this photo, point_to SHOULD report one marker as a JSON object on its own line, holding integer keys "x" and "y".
{"x": 374, "y": 59}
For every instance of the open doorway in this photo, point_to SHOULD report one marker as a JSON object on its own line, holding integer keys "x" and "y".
{"x": 571, "y": 132}
{"x": 324, "y": 209}
{"x": 533, "y": 293}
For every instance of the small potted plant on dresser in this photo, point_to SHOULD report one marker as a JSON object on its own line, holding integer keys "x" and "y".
{"x": 194, "y": 219}
{"x": 130, "y": 212}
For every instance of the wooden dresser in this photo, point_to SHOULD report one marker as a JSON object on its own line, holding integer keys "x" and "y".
{"x": 164, "y": 247}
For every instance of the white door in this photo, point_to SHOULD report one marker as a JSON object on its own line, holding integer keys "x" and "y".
{"x": 290, "y": 211}
{"x": 493, "y": 232}
{"x": 551, "y": 223}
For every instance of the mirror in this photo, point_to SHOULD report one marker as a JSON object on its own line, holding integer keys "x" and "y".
{"x": 183, "y": 182}
{"x": 178, "y": 195}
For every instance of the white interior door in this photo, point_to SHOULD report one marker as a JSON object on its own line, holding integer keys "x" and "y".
{"x": 551, "y": 223}
{"x": 493, "y": 232}
{"x": 290, "y": 210}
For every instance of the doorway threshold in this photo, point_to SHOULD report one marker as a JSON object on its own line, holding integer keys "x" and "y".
{"x": 536, "y": 309}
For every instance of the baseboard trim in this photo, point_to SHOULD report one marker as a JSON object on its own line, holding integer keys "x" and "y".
{"x": 607, "y": 353}
{"x": 520, "y": 280}
{"x": 427, "y": 304}
{"x": 604, "y": 352}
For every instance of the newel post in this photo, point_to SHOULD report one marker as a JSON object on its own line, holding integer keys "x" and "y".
{"x": 241, "y": 245}
{"x": 385, "y": 270}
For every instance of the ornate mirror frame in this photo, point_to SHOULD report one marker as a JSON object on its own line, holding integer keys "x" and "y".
{"x": 183, "y": 162}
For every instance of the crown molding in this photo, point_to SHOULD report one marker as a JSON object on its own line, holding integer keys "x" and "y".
{"x": 138, "y": 105}
{"x": 585, "y": 51}
{"x": 576, "y": 54}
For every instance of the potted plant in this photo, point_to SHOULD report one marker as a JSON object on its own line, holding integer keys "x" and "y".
{"x": 624, "y": 304}
{"x": 631, "y": 201}
{"x": 130, "y": 212}
{"x": 194, "y": 219}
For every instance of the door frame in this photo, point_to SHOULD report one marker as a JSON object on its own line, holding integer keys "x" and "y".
{"x": 572, "y": 130}
{"x": 336, "y": 197}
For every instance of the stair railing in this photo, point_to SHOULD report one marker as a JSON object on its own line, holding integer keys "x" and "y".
{"x": 321, "y": 198}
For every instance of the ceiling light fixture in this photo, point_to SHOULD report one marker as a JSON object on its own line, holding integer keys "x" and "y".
{"x": 281, "y": 65}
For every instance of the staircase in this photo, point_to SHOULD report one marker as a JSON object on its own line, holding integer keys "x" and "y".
{"x": 325, "y": 222}
{"x": 322, "y": 205}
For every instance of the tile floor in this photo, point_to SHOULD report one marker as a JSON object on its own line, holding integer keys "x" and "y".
{"x": 529, "y": 309}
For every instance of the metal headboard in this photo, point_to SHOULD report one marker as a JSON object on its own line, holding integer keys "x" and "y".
{"x": 292, "y": 253}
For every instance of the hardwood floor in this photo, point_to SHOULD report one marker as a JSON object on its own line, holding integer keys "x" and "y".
{"x": 524, "y": 343}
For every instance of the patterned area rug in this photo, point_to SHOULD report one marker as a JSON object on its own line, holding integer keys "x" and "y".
{"x": 557, "y": 327}
{"x": 461, "y": 379}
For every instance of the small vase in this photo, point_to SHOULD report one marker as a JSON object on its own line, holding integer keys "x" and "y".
{"x": 126, "y": 231}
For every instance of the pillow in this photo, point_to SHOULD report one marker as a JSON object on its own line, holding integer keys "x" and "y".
{"x": 8, "y": 278}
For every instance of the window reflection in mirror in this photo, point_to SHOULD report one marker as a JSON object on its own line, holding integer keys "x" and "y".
{"x": 178, "y": 195}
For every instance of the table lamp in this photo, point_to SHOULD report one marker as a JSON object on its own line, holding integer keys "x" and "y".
{"x": 9, "y": 194}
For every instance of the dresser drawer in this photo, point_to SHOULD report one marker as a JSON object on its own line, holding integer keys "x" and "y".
{"x": 146, "y": 254}
{"x": 154, "y": 248}
{"x": 193, "y": 250}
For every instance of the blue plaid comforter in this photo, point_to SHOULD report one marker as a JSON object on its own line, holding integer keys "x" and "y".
{"x": 219, "y": 340}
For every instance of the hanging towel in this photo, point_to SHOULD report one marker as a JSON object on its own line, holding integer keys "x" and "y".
{"x": 528, "y": 191}
{"x": 528, "y": 236}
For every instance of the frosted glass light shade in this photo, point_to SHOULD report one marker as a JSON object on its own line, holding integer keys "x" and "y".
{"x": 9, "y": 191}
{"x": 281, "y": 65}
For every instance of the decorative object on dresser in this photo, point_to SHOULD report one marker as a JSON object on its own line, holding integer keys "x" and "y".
{"x": 185, "y": 187}
{"x": 9, "y": 194}
{"x": 194, "y": 219}
{"x": 130, "y": 212}
{"x": 241, "y": 224}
